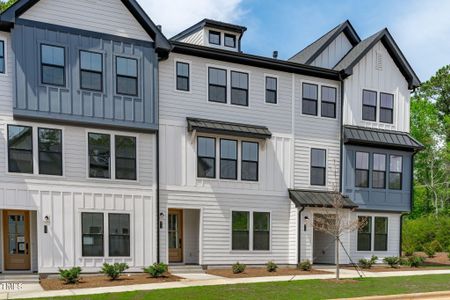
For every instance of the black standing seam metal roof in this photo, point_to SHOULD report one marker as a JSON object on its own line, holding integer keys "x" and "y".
{"x": 311, "y": 198}
{"x": 380, "y": 137}
{"x": 221, "y": 127}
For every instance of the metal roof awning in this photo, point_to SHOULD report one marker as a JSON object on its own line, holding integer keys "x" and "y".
{"x": 379, "y": 137}
{"x": 310, "y": 198}
{"x": 228, "y": 128}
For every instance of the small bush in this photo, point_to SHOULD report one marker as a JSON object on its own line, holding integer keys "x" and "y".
{"x": 71, "y": 275}
{"x": 305, "y": 265}
{"x": 408, "y": 250}
{"x": 156, "y": 270}
{"x": 429, "y": 250}
{"x": 392, "y": 261}
{"x": 271, "y": 266}
{"x": 448, "y": 255}
{"x": 415, "y": 261}
{"x": 367, "y": 263}
{"x": 238, "y": 268}
{"x": 113, "y": 271}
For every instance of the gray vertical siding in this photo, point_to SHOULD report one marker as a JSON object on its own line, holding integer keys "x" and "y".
{"x": 70, "y": 103}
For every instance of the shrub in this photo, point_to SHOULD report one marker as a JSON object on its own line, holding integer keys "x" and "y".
{"x": 305, "y": 265}
{"x": 415, "y": 261}
{"x": 429, "y": 250}
{"x": 421, "y": 231}
{"x": 113, "y": 271}
{"x": 271, "y": 266}
{"x": 408, "y": 250}
{"x": 156, "y": 270}
{"x": 392, "y": 261}
{"x": 238, "y": 268}
{"x": 71, "y": 275}
{"x": 367, "y": 263}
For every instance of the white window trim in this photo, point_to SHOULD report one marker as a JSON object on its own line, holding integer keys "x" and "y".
{"x": 319, "y": 100}
{"x": 265, "y": 88}
{"x": 189, "y": 62}
{"x": 372, "y": 234}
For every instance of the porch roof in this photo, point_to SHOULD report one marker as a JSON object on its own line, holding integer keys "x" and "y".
{"x": 311, "y": 198}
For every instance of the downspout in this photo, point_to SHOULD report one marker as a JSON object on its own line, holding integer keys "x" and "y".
{"x": 299, "y": 234}
{"x": 158, "y": 228}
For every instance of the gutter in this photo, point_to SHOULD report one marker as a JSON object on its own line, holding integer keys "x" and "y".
{"x": 299, "y": 234}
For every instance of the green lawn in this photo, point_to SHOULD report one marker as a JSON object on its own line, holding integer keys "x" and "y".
{"x": 303, "y": 289}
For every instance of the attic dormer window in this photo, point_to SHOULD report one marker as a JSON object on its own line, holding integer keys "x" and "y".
{"x": 214, "y": 37}
{"x": 230, "y": 40}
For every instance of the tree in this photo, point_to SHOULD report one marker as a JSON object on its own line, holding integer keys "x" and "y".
{"x": 6, "y": 4}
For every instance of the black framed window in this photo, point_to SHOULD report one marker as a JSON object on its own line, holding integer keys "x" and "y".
{"x": 92, "y": 234}
{"x": 328, "y": 102}
{"x": 240, "y": 230}
{"x": 309, "y": 99}
{"x": 119, "y": 234}
{"x": 369, "y": 108}
{"x": 379, "y": 171}
{"x": 53, "y": 65}
{"x": 365, "y": 234}
{"x": 217, "y": 85}
{"x": 381, "y": 234}
{"x": 230, "y": 40}
{"x": 318, "y": 166}
{"x": 239, "y": 88}
{"x": 182, "y": 76}
{"x": 126, "y": 76}
{"x": 250, "y": 160}
{"x": 206, "y": 157}
{"x": 261, "y": 231}
{"x": 50, "y": 151}
{"x": 362, "y": 169}
{"x": 20, "y": 149}
{"x": 125, "y": 149}
{"x": 271, "y": 90}
{"x": 91, "y": 70}
{"x": 386, "y": 108}
{"x": 228, "y": 159}
{"x": 214, "y": 37}
{"x": 2, "y": 57}
{"x": 395, "y": 172}
{"x": 99, "y": 148}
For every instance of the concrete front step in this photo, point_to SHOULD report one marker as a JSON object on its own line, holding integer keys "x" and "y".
{"x": 19, "y": 278}
{"x": 186, "y": 269}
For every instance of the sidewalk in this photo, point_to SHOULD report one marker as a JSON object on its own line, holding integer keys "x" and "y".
{"x": 205, "y": 280}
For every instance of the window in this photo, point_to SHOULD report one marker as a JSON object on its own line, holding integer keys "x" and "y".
{"x": 119, "y": 234}
{"x": 206, "y": 157}
{"x": 230, "y": 40}
{"x": 395, "y": 172}
{"x": 91, "y": 71}
{"x": 271, "y": 90}
{"x": 50, "y": 151}
{"x": 92, "y": 234}
{"x": 99, "y": 148}
{"x": 2, "y": 57}
{"x": 365, "y": 234}
{"x": 369, "y": 110}
{"x": 328, "y": 102}
{"x": 239, "y": 88}
{"x": 261, "y": 231}
{"x": 214, "y": 37}
{"x": 20, "y": 149}
{"x": 249, "y": 164}
{"x": 125, "y": 157}
{"x": 379, "y": 171}
{"x": 381, "y": 234}
{"x": 309, "y": 102}
{"x": 53, "y": 65}
{"x": 217, "y": 85}
{"x": 386, "y": 108}
{"x": 318, "y": 166}
{"x": 228, "y": 159}
{"x": 362, "y": 169}
{"x": 182, "y": 76}
{"x": 240, "y": 230}
{"x": 127, "y": 76}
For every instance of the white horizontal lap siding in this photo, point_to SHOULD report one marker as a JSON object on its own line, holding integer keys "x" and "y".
{"x": 338, "y": 48}
{"x": 105, "y": 16}
{"x": 388, "y": 80}
{"x": 6, "y": 79}
{"x": 195, "y": 38}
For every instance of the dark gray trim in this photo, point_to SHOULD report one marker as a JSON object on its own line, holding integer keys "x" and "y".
{"x": 208, "y": 23}
{"x": 341, "y": 140}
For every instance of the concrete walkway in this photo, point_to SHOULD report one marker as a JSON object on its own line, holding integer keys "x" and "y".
{"x": 202, "y": 280}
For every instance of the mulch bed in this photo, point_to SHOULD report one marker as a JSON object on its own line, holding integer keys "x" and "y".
{"x": 92, "y": 281}
{"x": 260, "y": 272}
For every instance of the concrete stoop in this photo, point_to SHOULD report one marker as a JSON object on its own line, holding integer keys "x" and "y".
{"x": 186, "y": 269}
{"x": 19, "y": 278}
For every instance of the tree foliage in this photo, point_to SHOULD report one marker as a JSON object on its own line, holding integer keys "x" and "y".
{"x": 6, "y": 4}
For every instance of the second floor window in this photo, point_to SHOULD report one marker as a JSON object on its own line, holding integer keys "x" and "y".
{"x": 91, "y": 71}
{"x": 125, "y": 157}
{"x": 249, "y": 164}
{"x": 309, "y": 99}
{"x": 228, "y": 159}
{"x": 50, "y": 151}
{"x": 239, "y": 88}
{"x": 20, "y": 149}
{"x": 2, "y": 57}
{"x": 369, "y": 108}
{"x": 53, "y": 65}
{"x": 395, "y": 172}
{"x": 182, "y": 76}
{"x": 328, "y": 102}
{"x": 206, "y": 157}
{"x": 217, "y": 85}
{"x": 379, "y": 171}
{"x": 318, "y": 167}
{"x": 271, "y": 90}
{"x": 362, "y": 169}
{"x": 99, "y": 147}
{"x": 127, "y": 76}
{"x": 386, "y": 108}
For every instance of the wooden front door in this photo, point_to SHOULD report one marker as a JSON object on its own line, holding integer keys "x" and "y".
{"x": 16, "y": 239}
{"x": 175, "y": 233}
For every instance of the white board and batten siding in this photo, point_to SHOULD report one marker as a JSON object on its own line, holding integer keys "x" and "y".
{"x": 337, "y": 49}
{"x": 6, "y": 79}
{"x": 104, "y": 16}
{"x": 378, "y": 72}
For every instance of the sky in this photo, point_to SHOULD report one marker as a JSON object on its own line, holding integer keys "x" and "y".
{"x": 420, "y": 28}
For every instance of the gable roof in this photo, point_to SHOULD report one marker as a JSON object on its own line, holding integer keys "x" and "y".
{"x": 312, "y": 51}
{"x": 209, "y": 23}
{"x": 345, "y": 66}
{"x": 162, "y": 45}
